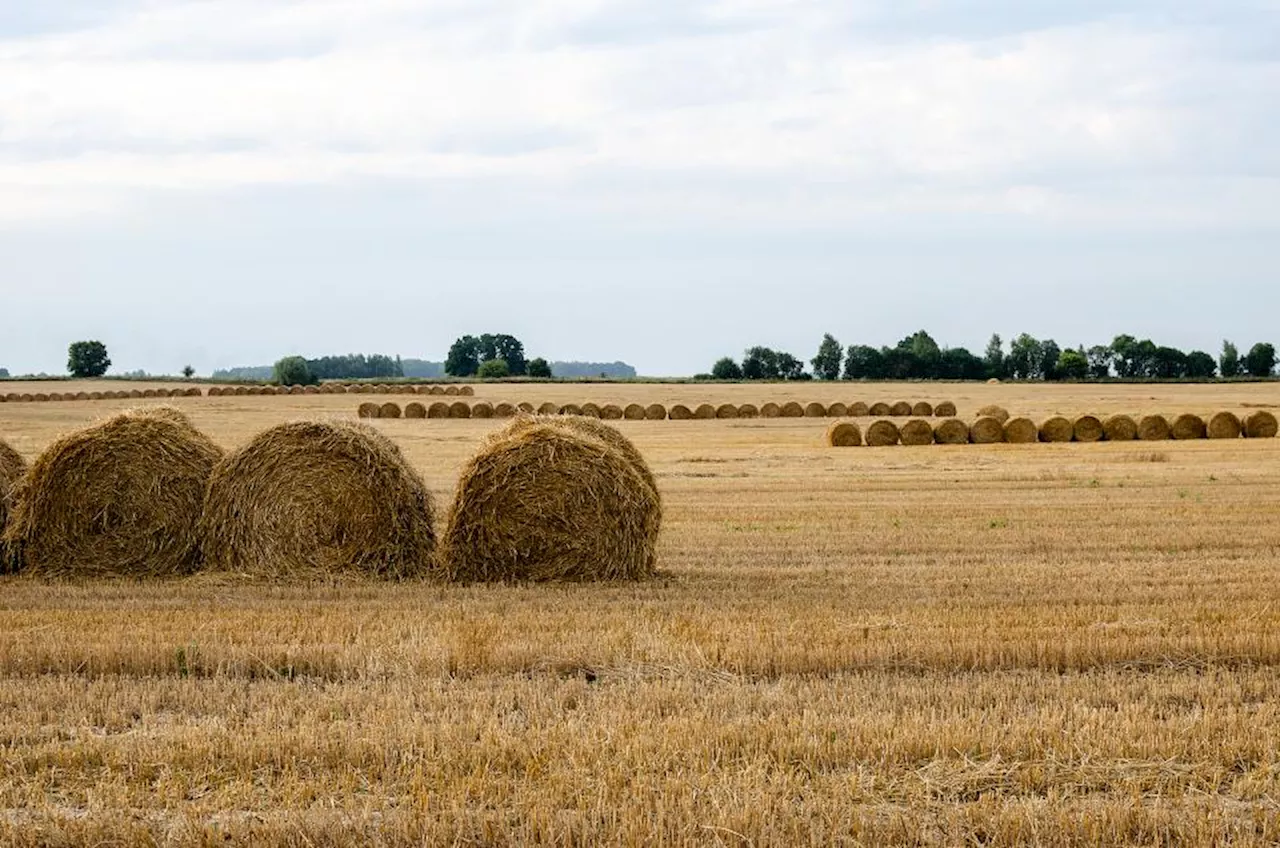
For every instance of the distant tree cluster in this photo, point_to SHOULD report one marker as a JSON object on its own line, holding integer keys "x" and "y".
{"x": 469, "y": 353}
{"x": 356, "y": 366}
{"x": 919, "y": 357}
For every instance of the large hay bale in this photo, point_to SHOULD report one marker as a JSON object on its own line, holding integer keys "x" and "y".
{"x": 998, "y": 412}
{"x": 705, "y": 411}
{"x": 859, "y": 410}
{"x": 1188, "y": 426}
{"x": 922, "y": 409}
{"x": 633, "y": 412}
{"x": 792, "y": 409}
{"x": 413, "y": 409}
{"x": 1057, "y": 429}
{"x": 946, "y": 409}
{"x": 481, "y": 409}
{"x": 368, "y": 410}
{"x": 1088, "y": 428}
{"x": 748, "y": 410}
{"x": 1120, "y": 428}
{"x": 815, "y": 409}
{"x": 120, "y": 498}
{"x": 12, "y": 467}
{"x": 438, "y": 409}
{"x": 310, "y": 498}
{"x": 844, "y": 434}
{"x": 389, "y": 410}
{"x": 594, "y": 428}
{"x": 916, "y": 432}
{"x": 680, "y": 412}
{"x": 611, "y": 412}
{"x": 655, "y": 412}
{"x": 459, "y": 409}
{"x": 986, "y": 431}
{"x": 951, "y": 431}
{"x": 1224, "y": 425}
{"x": 1260, "y": 425}
{"x": 507, "y": 410}
{"x": 546, "y": 503}
{"x": 882, "y": 434}
{"x": 880, "y": 409}
{"x": 549, "y": 408}
{"x": 770, "y": 410}
{"x": 570, "y": 409}
{"x": 837, "y": 410}
{"x": 590, "y": 410}
{"x": 1021, "y": 431}
{"x": 1154, "y": 428}
{"x": 901, "y": 409}
{"x": 727, "y": 410}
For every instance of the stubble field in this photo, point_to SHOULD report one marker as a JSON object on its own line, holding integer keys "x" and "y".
{"x": 1005, "y": 644}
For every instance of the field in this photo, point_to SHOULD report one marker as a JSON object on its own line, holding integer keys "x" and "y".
{"x": 1066, "y": 644}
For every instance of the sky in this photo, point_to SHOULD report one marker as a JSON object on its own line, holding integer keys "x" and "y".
{"x": 664, "y": 182}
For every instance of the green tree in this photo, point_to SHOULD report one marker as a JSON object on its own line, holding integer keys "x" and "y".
{"x": 1200, "y": 365}
{"x": 511, "y": 351}
{"x": 1260, "y": 361}
{"x": 493, "y": 369}
{"x": 1072, "y": 365}
{"x": 760, "y": 363}
{"x": 1025, "y": 357}
{"x": 293, "y": 371}
{"x": 726, "y": 369}
{"x": 463, "y": 359}
{"x": 1123, "y": 352}
{"x": 538, "y": 367}
{"x": 188, "y": 371}
{"x": 863, "y": 362}
{"x": 994, "y": 357}
{"x": 957, "y": 363}
{"x": 790, "y": 368}
{"x": 1229, "y": 361}
{"x": 1100, "y": 357}
{"x": 87, "y": 359}
{"x": 1168, "y": 363}
{"x": 1049, "y": 353}
{"x": 826, "y": 365}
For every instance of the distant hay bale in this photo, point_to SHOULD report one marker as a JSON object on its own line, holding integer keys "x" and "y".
{"x": 1154, "y": 428}
{"x": 547, "y": 503}
{"x": 310, "y": 390}
{"x": 1088, "y": 428}
{"x": 148, "y": 393}
{"x": 40, "y": 397}
{"x": 451, "y": 390}
{"x": 413, "y": 409}
{"x": 882, "y": 434}
{"x": 986, "y": 431}
{"x": 435, "y": 390}
{"x": 748, "y": 410}
{"x": 325, "y": 388}
{"x": 381, "y": 389}
{"x": 859, "y": 410}
{"x": 922, "y": 409}
{"x": 1188, "y": 426}
{"x": 508, "y": 410}
{"x": 901, "y": 409}
{"x": 1120, "y": 428}
{"x": 438, "y": 409}
{"x": 459, "y": 409}
{"x": 727, "y": 410}
{"x": 837, "y": 410}
{"x": 1057, "y": 429}
{"x": 946, "y": 409}
{"x": 215, "y": 391}
{"x": 119, "y": 498}
{"x": 815, "y": 410}
{"x": 1224, "y": 425}
{"x": 311, "y": 498}
{"x": 239, "y": 391}
{"x": 880, "y": 409}
{"x": 633, "y": 412}
{"x": 1260, "y": 425}
{"x": 1021, "y": 431}
{"x": 570, "y": 409}
{"x": 993, "y": 382}
{"x": 549, "y": 408}
{"x": 916, "y": 432}
{"x": 844, "y": 434}
{"x": 369, "y": 410}
{"x": 95, "y": 395}
{"x": 590, "y": 410}
{"x": 704, "y": 411}
{"x": 302, "y": 390}
{"x": 481, "y": 409}
{"x": 792, "y": 409}
{"x": 466, "y": 391}
{"x": 770, "y": 410}
{"x": 952, "y": 431}
{"x": 27, "y": 397}
{"x": 54, "y": 397}
{"x": 998, "y": 412}
{"x": 524, "y": 406}
{"x": 135, "y": 394}
{"x": 194, "y": 391}
{"x": 655, "y": 412}
{"x": 389, "y": 410}
{"x": 611, "y": 412}
{"x": 82, "y": 395}
{"x": 339, "y": 389}
{"x": 680, "y": 412}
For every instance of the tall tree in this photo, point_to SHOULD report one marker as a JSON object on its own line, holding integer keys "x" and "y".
{"x": 464, "y": 357}
{"x": 760, "y": 363}
{"x": 994, "y": 357}
{"x": 1123, "y": 353}
{"x": 863, "y": 362}
{"x": 1049, "y": 354}
{"x": 790, "y": 368}
{"x": 1229, "y": 361}
{"x": 826, "y": 365}
{"x": 87, "y": 359}
{"x": 1260, "y": 361}
{"x": 1200, "y": 365}
{"x": 726, "y": 369}
{"x": 1072, "y": 365}
{"x": 511, "y": 351}
{"x": 1100, "y": 357}
{"x": 1026, "y": 355}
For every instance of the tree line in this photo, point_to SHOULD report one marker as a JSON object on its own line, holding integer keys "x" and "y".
{"x": 919, "y": 357}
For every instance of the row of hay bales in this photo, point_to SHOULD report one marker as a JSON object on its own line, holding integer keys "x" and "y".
{"x": 145, "y": 494}
{"x": 633, "y": 411}
{"x": 123, "y": 394}
{"x": 1000, "y": 427}
{"x": 343, "y": 389}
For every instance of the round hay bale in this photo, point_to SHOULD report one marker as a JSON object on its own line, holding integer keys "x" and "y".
{"x": 815, "y": 410}
{"x": 28, "y": 398}
{"x": 590, "y": 410}
{"x": 12, "y": 467}
{"x": 438, "y": 409}
{"x": 593, "y": 428}
{"x": 986, "y": 431}
{"x": 135, "y": 394}
{"x": 524, "y": 406}
{"x": 1021, "y": 431}
{"x": 922, "y": 409}
{"x": 369, "y": 410}
{"x": 13, "y": 397}
{"x": 917, "y": 431}
{"x": 549, "y": 408}
{"x": 325, "y": 388}
{"x": 547, "y": 503}
{"x": 82, "y": 395}
{"x": 150, "y": 393}
{"x": 241, "y": 391}
{"x": 837, "y": 410}
{"x": 727, "y": 410}
{"x": 770, "y": 410}
{"x": 435, "y": 390}
{"x": 459, "y": 409}
{"x": 611, "y": 412}
{"x": 1120, "y": 428}
{"x": 655, "y": 412}
{"x": 194, "y": 391}
{"x": 40, "y": 397}
{"x": 952, "y": 431}
{"x": 998, "y": 412}
{"x": 165, "y": 412}
{"x": 54, "y": 397}
{"x": 413, "y": 409}
{"x": 339, "y": 389}
{"x": 1057, "y": 429}
{"x": 748, "y": 410}
{"x": 505, "y": 409}
{"x": 120, "y": 498}
{"x": 302, "y": 390}
{"x": 880, "y": 409}
{"x": 792, "y": 409}
{"x": 481, "y": 409}
{"x": 1088, "y": 428}
{"x": 844, "y": 434}
{"x": 389, "y": 410}
{"x": 901, "y": 409}
{"x": 570, "y": 409}
{"x": 310, "y": 390}
{"x": 882, "y": 434}
{"x": 1154, "y": 428}
{"x": 466, "y": 391}
{"x": 214, "y": 391}
{"x": 451, "y": 390}
{"x": 95, "y": 395}
{"x": 633, "y": 412}
{"x": 946, "y": 409}
{"x": 680, "y": 412}
{"x": 318, "y": 497}
{"x": 1224, "y": 425}
{"x": 993, "y": 382}
{"x": 705, "y": 411}
{"x": 1260, "y": 425}
{"x": 1188, "y": 426}
{"x": 859, "y": 410}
